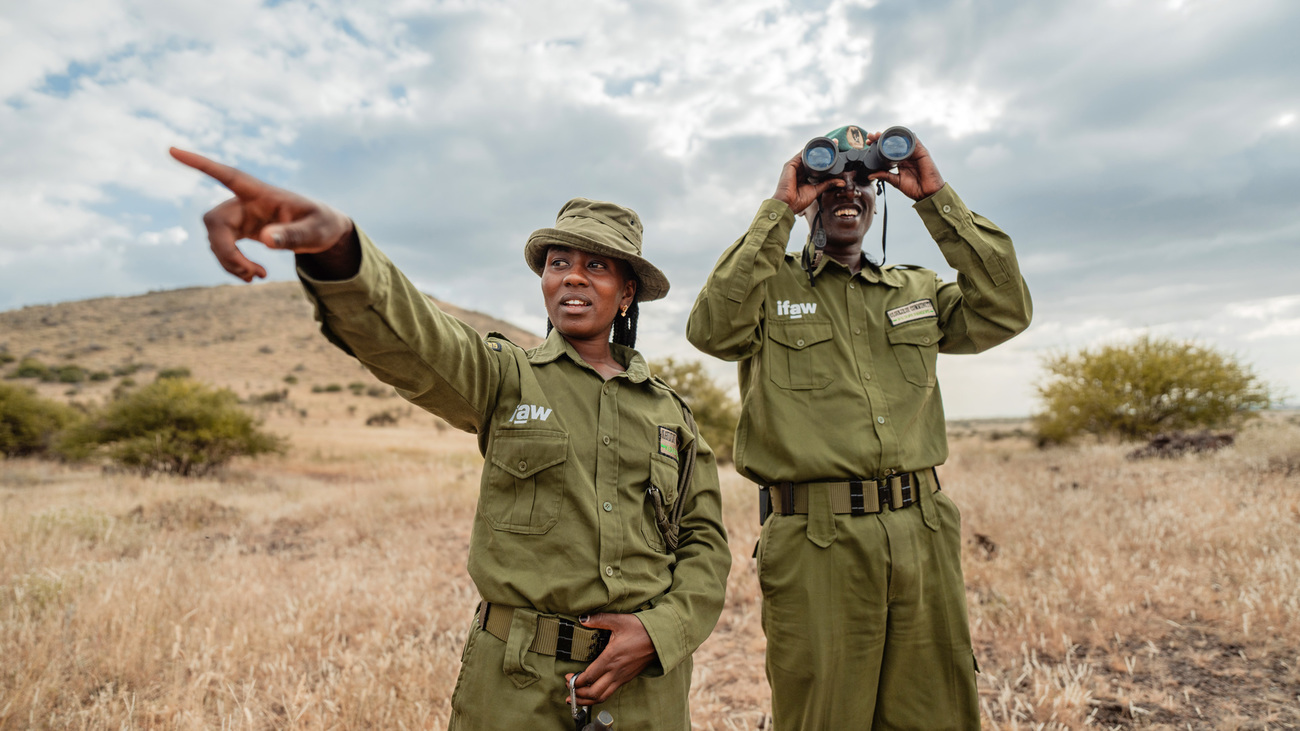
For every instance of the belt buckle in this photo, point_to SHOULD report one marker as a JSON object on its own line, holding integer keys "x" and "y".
{"x": 884, "y": 495}
{"x": 907, "y": 490}
{"x": 564, "y": 640}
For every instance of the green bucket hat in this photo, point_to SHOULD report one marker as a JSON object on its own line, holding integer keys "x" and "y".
{"x": 601, "y": 228}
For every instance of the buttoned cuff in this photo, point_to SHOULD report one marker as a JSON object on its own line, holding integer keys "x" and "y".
{"x": 344, "y": 297}
{"x": 773, "y": 214}
{"x": 944, "y": 213}
{"x": 368, "y": 286}
{"x": 668, "y": 635}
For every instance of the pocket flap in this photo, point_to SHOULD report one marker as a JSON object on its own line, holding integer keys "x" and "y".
{"x": 920, "y": 333}
{"x": 801, "y": 335}
{"x": 525, "y": 452}
{"x": 664, "y": 475}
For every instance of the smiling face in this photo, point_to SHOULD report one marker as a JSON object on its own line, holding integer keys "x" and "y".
{"x": 584, "y": 292}
{"x": 847, "y": 212}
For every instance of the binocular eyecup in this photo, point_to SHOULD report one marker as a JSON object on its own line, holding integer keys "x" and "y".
{"x": 823, "y": 158}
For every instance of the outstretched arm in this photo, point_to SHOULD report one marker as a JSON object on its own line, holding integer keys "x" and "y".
{"x": 364, "y": 303}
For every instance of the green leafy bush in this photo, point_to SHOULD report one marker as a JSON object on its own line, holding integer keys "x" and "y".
{"x": 69, "y": 374}
{"x": 716, "y": 413}
{"x": 173, "y": 425}
{"x": 179, "y": 372}
{"x": 31, "y": 368}
{"x": 1151, "y": 385}
{"x": 29, "y": 423}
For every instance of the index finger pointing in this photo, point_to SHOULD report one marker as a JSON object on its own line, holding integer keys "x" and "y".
{"x": 240, "y": 183}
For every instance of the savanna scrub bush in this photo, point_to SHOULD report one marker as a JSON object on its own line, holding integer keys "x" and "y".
{"x": 173, "y": 425}
{"x": 29, "y": 423}
{"x": 1138, "y": 389}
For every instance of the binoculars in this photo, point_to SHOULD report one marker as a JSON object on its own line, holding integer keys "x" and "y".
{"x": 823, "y": 158}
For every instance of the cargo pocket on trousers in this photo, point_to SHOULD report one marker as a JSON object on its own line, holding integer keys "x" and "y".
{"x": 916, "y": 348}
{"x": 525, "y": 482}
{"x": 799, "y": 357}
{"x": 660, "y": 497}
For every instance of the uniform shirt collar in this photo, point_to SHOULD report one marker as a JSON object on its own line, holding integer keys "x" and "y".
{"x": 869, "y": 272}
{"x": 555, "y": 346}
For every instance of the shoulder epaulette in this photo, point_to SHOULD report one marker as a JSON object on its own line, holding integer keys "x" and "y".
{"x": 494, "y": 340}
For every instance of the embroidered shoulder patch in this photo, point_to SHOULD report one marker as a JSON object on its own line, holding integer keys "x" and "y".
{"x": 918, "y": 310}
{"x": 668, "y": 442}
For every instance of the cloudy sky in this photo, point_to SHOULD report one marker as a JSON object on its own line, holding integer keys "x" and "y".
{"x": 1143, "y": 154}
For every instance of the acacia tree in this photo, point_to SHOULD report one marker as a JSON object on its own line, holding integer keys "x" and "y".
{"x": 1141, "y": 388}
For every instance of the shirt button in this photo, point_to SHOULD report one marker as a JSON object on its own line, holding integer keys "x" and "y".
{"x": 853, "y": 286}
{"x": 772, "y": 216}
{"x": 799, "y": 342}
{"x": 606, "y": 440}
{"x": 880, "y": 420}
{"x": 609, "y": 570}
{"x": 926, "y": 340}
{"x": 947, "y": 209}
{"x": 857, "y": 331}
{"x": 523, "y": 465}
{"x": 608, "y": 507}
{"x": 868, "y": 376}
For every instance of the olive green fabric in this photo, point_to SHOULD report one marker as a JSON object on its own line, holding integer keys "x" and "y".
{"x": 865, "y": 615}
{"x": 563, "y": 523}
{"x": 831, "y": 389}
{"x": 886, "y": 644}
{"x": 486, "y": 700}
{"x": 600, "y": 228}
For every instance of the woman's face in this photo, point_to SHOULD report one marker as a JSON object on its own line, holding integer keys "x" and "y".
{"x": 584, "y": 292}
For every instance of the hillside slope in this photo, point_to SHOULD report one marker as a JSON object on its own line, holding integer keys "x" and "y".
{"x": 247, "y": 337}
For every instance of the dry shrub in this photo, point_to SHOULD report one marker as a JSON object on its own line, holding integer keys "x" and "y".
{"x": 29, "y": 423}
{"x": 1138, "y": 389}
{"x": 173, "y": 425}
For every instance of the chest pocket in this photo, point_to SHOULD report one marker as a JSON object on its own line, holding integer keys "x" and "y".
{"x": 800, "y": 354}
{"x": 916, "y": 346}
{"x": 524, "y": 485}
{"x": 660, "y": 499}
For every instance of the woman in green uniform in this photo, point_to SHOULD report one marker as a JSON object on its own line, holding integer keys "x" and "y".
{"x": 597, "y": 546}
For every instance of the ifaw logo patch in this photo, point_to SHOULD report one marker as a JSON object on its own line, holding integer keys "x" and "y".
{"x": 529, "y": 411}
{"x": 796, "y": 310}
{"x": 668, "y": 442}
{"x": 918, "y": 310}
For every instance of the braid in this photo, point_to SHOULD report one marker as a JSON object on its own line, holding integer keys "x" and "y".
{"x": 625, "y": 327}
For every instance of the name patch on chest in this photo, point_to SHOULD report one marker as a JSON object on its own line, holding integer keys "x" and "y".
{"x": 918, "y": 310}
{"x": 668, "y": 442}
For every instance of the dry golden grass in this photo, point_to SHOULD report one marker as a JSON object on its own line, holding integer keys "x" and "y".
{"x": 326, "y": 588}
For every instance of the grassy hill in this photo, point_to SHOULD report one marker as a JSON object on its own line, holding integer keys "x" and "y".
{"x": 245, "y": 337}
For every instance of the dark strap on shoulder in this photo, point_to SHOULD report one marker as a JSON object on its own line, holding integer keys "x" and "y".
{"x": 685, "y": 477}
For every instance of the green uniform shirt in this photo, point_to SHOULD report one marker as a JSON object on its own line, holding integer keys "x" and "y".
{"x": 563, "y": 523}
{"x": 838, "y": 381}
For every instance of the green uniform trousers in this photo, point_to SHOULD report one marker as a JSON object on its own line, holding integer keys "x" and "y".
{"x": 865, "y": 618}
{"x": 488, "y": 696}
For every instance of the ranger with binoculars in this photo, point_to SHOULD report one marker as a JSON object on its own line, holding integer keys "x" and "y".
{"x": 842, "y": 426}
